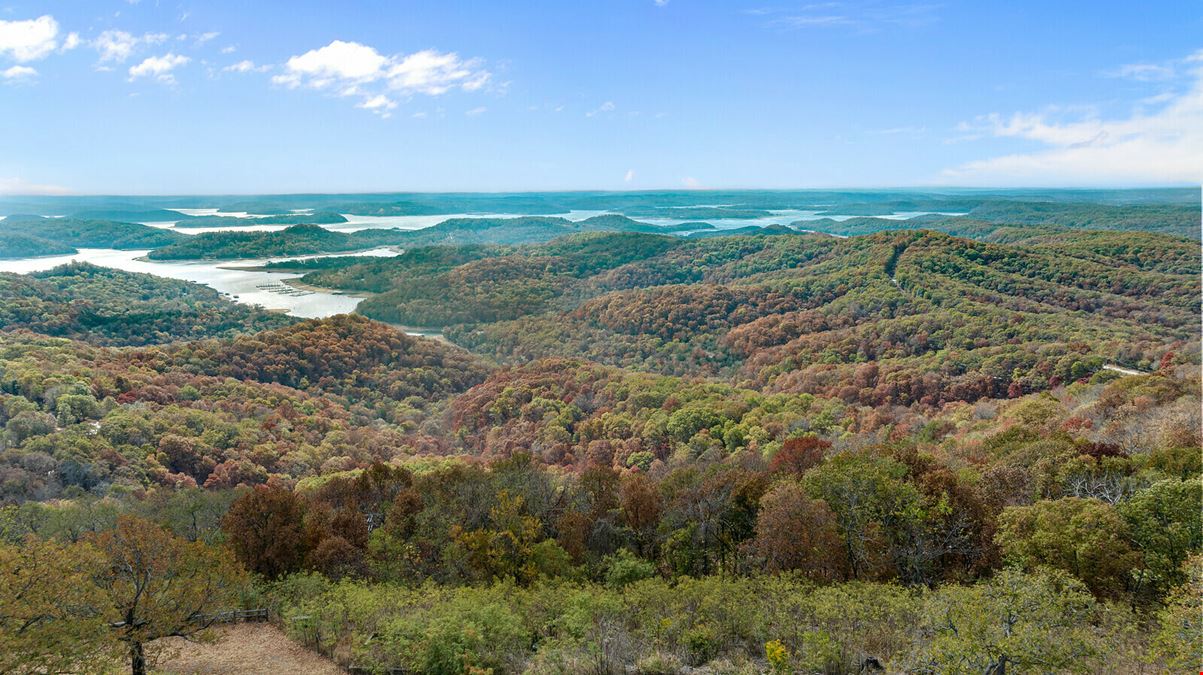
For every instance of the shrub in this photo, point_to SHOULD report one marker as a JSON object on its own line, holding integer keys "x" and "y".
{"x": 625, "y": 567}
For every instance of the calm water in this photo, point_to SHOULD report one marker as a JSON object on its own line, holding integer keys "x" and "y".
{"x": 356, "y": 223}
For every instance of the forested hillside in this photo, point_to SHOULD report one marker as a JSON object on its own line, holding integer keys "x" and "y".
{"x": 290, "y": 402}
{"x": 24, "y": 236}
{"x": 110, "y": 307}
{"x": 900, "y": 452}
{"x": 891, "y": 318}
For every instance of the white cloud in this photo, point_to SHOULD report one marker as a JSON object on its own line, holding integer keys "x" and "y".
{"x": 20, "y": 186}
{"x": 1143, "y": 72}
{"x": 114, "y": 45}
{"x": 630, "y": 176}
{"x": 379, "y": 104}
{"x": 434, "y": 73}
{"x": 17, "y": 73}
{"x": 808, "y": 20}
{"x": 865, "y": 16}
{"x": 71, "y": 42}
{"x": 158, "y": 67}
{"x": 118, "y": 45}
{"x": 606, "y": 107}
{"x": 206, "y": 37}
{"x": 1157, "y": 147}
{"x": 899, "y": 131}
{"x": 229, "y": 49}
{"x": 479, "y": 110}
{"x": 28, "y": 40}
{"x": 245, "y": 66}
{"x": 1162, "y": 71}
{"x": 354, "y": 69}
{"x": 661, "y": 3}
{"x": 691, "y": 183}
{"x": 337, "y": 61}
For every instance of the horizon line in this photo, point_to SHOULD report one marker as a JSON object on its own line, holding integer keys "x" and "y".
{"x": 884, "y": 188}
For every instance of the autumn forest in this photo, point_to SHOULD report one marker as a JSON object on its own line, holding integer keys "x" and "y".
{"x": 951, "y": 444}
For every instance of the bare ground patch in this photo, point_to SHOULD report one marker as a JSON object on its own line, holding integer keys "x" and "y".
{"x": 246, "y": 648}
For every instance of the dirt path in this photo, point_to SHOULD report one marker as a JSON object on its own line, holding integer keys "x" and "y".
{"x": 1121, "y": 369}
{"x": 247, "y": 648}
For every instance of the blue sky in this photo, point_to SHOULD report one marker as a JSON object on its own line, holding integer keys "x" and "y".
{"x": 251, "y": 97}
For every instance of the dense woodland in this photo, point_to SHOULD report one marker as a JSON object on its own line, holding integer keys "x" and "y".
{"x": 891, "y": 318}
{"x": 898, "y": 452}
{"x": 30, "y": 236}
{"x": 105, "y": 306}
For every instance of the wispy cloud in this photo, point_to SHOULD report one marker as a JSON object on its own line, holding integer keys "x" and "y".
{"x": 479, "y": 110}
{"x": 899, "y": 131}
{"x": 117, "y": 45}
{"x": 1143, "y": 72}
{"x": 246, "y": 66}
{"x": 1164, "y": 145}
{"x": 865, "y": 17}
{"x": 1159, "y": 71}
{"x": 380, "y": 105}
{"x": 18, "y": 74}
{"x": 20, "y": 186}
{"x": 606, "y": 107}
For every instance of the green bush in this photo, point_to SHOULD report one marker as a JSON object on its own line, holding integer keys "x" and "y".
{"x": 723, "y": 624}
{"x": 625, "y": 567}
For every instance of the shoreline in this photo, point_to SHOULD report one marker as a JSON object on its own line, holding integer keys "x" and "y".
{"x": 296, "y": 283}
{"x": 413, "y": 331}
{"x": 262, "y": 266}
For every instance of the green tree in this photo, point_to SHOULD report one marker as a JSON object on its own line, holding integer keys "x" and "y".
{"x": 27, "y": 424}
{"x": 1085, "y": 537}
{"x": 504, "y": 549}
{"x": 872, "y": 502}
{"x": 49, "y": 618}
{"x": 1166, "y": 525}
{"x": 1177, "y": 643}
{"x": 625, "y": 567}
{"x": 1014, "y": 621}
{"x": 155, "y": 585}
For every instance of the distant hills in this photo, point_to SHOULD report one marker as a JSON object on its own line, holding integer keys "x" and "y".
{"x": 26, "y": 236}
{"x": 988, "y": 215}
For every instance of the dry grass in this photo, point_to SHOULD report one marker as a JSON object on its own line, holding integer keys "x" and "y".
{"x": 246, "y": 648}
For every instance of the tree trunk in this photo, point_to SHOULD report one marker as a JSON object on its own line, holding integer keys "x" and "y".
{"x": 137, "y": 659}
